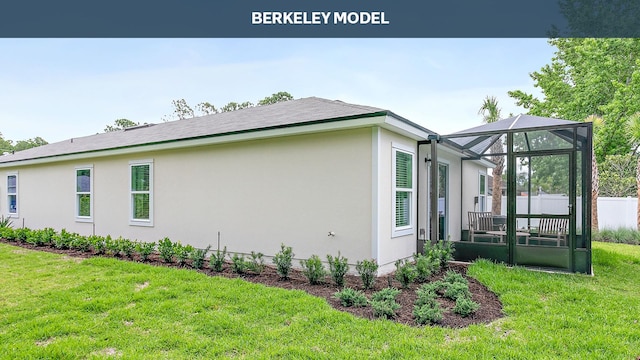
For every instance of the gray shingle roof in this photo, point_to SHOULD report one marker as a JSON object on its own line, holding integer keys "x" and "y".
{"x": 284, "y": 114}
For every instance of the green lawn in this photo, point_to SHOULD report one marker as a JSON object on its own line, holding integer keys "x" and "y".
{"x": 57, "y": 307}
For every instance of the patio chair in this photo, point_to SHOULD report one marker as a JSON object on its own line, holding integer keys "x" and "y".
{"x": 479, "y": 224}
{"x": 551, "y": 230}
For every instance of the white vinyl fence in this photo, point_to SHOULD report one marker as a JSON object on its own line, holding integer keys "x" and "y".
{"x": 613, "y": 213}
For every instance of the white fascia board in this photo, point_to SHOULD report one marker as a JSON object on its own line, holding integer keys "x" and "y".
{"x": 179, "y": 144}
{"x": 403, "y": 128}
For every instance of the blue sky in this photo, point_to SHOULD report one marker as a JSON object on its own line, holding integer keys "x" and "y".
{"x": 63, "y": 88}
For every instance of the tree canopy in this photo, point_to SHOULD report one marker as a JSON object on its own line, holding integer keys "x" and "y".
{"x": 120, "y": 124}
{"x": 8, "y": 145}
{"x": 588, "y": 77}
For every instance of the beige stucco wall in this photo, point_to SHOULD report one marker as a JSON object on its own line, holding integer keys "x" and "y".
{"x": 471, "y": 173}
{"x": 390, "y": 248}
{"x": 257, "y": 194}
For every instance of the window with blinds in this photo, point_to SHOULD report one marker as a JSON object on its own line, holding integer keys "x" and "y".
{"x": 403, "y": 192}
{"x": 84, "y": 194}
{"x": 141, "y": 191}
{"x": 12, "y": 194}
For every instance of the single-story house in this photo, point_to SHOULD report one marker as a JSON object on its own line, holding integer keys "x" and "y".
{"x": 318, "y": 175}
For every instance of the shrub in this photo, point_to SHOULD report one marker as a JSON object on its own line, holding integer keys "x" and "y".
{"x": 338, "y": 268}
{"x": 452, "y": 277}
{"x": 426, "y": 296}
{"x": 384, "y": 303}
{"x": 313, "y": 269}
{"x": 111, "y": 246}
{"x": 166, "y": 250}
{"x": 437, "y": 287}
{"x": 283, "y": 260}
{"x": 405, "y": 272}
{"x": 98, "y": 243}
{"x": 182, "y": 252}
{"x": 465, "y": 306}
{"x": 425, "y": 266}
{"x": 126, "y": 247}
{"x": 350, "y": 297}
{"x": 442, "y": 251}
{"x": 367, "y": 270}
{"x": 198, "y": 257}
{"x": 456, "y": 290}
{"x": 386, "y": 294}
{"x": 238, "y": 264}
{"x": 216, "y": 261}
{"x": 256, "y": 264}
{"x": 80, "y": 242}
{"x": 22, "y": 234}
{"x": 427, "y": 315}
{"x": 145, "y": 249}
{"x": 62, "y": 240}
{"x": 8, "y": 233}
{"x": 41, "y": 237}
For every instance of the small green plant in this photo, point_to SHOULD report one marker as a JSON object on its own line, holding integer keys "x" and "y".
{"x": 425, "y": 266}
{"x": 8, "y": 233}
{"x": 145, "y": 249}
{"x": 5, "y": 222}
{"x": 367, "y": 269}
{"x": 426, "y": 309}
{"x": 183, "y": 252}
{"x": 238, "y": 264}
{"x": 453, "y": 277}
{"x": 313, "y": 269}
{"x": 198, "y": 257}
{"x": 427, "y": 315}
{"x": 22, "y": 234}
{"x": 111, "y": 246}
{"x": 437, "y": 287}
{"x": 351, "y": 297}
{"x": 98, "y": 243}
{"x": 256, "y": 264}
{"x": 283, "y": 260}
{"x": 405, "y": 272}
{"x": 338, "y": 268}
{"x": 457, "y": 290}
{"x": 166, "y": 250}
{"x": 384, "y": 303}
{"x": 62, "y": 240}
{"x": 79, "y": 242}
{"x": 126, "y": 247}
{"x": 386, "y": 294}
{"x": 216, "y": 261}
{"x": 465, "y": 306}
{"x": 442, "y": 252}
{"x": 41, "y": 237}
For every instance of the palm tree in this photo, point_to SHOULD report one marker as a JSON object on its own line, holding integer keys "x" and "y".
{"x": 595, "y": 183}
{"x": 491, "y": 113}
{"x": 634, "y": 131}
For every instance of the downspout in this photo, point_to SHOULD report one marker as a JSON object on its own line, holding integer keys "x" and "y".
{"x": 433, "y": 140}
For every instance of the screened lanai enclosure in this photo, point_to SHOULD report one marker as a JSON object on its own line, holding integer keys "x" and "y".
{"x": 533, "y": 207}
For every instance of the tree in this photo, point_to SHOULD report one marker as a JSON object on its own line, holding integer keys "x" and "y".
{"x": 595, "y": 178}
{"x": 276, "y": 98}
{"x": 182, "y": 110}
{"x": 491, "y": 113}
{"x": 29, "y": 143}
{"x": 634, "y": 130}
{"x": 586, "y": 77}
{"x": 5, "y": 145}
{"x": 120, "y": 124}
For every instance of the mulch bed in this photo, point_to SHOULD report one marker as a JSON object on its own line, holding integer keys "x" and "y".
{"x": 490, "y": 306}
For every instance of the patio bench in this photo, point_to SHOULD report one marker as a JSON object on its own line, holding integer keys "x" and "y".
{"x": 552, "y": 230}
{"x": 479, "y": 224}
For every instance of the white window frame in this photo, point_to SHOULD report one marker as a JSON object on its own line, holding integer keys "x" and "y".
{"x": 80, "y": 218}
{"x": 141, "y": 222}
{"x": 16, "y": 193}
{"x": 486, "y": 193}
{"x": 410, "y": 228}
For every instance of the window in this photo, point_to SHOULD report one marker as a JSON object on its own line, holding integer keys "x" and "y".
{"x": 141, "y": 193}
{"x": 12, "y": 195}
{"x": 84, "y": 193}
{"x": 403, "y": 192}
{"x": 482, "y": 193}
